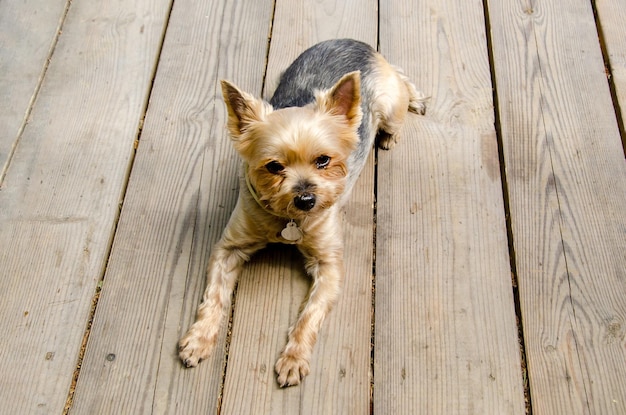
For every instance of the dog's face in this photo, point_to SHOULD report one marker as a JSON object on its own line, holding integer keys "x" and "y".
{"x": 297, "y": 157}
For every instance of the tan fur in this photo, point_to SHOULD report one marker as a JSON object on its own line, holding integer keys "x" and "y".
{"x": 295, "y": 139}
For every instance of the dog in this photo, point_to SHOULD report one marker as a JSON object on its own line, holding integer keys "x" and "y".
{"x": 302, "y": 152}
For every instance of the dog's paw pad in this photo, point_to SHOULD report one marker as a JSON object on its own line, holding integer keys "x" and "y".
{"x": 291, "y": 370}
{"x": 193, "y": 348}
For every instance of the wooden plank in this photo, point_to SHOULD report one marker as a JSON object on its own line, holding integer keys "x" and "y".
{"x": 567, "y": 180}
{"x": 445, "y": 330}
{"x": 612, "y": 15}
{"x": 182, "y": 189}
{"x": 28, "y": 33}
{"x": 59, "y": 201}
{"x": 271, "y": 290}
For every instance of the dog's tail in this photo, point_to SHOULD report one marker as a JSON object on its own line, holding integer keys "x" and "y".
{"x": 417, "y": 100}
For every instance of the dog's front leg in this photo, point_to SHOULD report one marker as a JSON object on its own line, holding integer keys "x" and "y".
{"x": 224, "y": 268}
{"x": 293, "y": 363}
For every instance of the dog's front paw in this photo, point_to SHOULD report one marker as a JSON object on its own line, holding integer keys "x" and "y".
{"x": 195, "y": 347}
{"x": 291, "y": 369}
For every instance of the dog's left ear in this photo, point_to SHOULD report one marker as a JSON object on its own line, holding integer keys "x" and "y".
{"x": 344, "y": 98}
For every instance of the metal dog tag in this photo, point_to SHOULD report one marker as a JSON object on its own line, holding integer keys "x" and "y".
{"x": 291, "y": 232}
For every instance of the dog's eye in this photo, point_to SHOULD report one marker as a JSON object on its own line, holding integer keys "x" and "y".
{"x": 322, "y": 162}
{"x": 274, "y": 167}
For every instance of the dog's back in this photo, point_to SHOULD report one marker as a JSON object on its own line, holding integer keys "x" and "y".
{"x": 319, "y": 68}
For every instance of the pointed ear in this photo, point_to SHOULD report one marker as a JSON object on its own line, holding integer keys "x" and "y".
{"x": 243, "y": 109}
{"x": 344, "y": 98}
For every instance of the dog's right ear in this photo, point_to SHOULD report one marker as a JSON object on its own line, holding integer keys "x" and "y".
{"x": 243, "y": 109}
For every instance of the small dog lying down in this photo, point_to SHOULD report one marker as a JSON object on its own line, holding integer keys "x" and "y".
{"x": 302, "y": 153}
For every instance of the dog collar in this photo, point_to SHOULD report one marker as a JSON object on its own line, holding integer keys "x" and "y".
{"x": 252, "y": 190}
{"x": 292, "y": 231}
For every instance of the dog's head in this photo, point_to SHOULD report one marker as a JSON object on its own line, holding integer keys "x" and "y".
{"x": 297, "y": 157}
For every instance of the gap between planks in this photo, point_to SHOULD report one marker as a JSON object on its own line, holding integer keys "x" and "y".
{"x": 507, "y": 214}
{"x": 609, "y": 74}
{"x": 229, "y": 336}
{"x": 373, "y": 277}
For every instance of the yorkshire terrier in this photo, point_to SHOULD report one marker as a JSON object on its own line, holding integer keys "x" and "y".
{"x": 302, "y": 153}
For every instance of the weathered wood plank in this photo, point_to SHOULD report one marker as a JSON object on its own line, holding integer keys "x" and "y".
{"x": 59, "y": 201}
{"x": 445, "y": 333}
{"x": 271, "y": 290}
{"x": 28, "y": 32}
{"x": 612, "y": 15}
{"x": 567, "y": 180}
{"x": 182, "y": 189}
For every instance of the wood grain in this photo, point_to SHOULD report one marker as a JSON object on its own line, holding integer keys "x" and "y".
{"x": 445, "y": 332}
{"x": 28, "y": 34}
{"x": 181, "y": 191}
{"x": 270, "y": 292}
{"x": 565, "y": 173}
{"x": 61, "y": 193}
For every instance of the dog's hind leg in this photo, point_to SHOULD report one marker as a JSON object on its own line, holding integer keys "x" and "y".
{"x": 393, "y": 95}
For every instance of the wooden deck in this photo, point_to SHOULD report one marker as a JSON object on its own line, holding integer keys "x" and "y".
{"x": 486, "y": 253}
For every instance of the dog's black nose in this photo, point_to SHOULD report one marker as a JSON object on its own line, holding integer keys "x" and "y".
{"x": 304, "y": 201}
